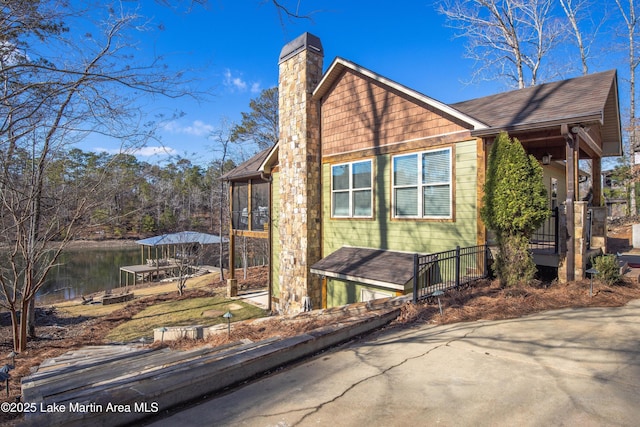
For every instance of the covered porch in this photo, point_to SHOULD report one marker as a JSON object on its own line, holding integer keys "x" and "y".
{"x": 562, "y": 123}
{"x": 579, "y": 215}
{"x": 250, "y": 194}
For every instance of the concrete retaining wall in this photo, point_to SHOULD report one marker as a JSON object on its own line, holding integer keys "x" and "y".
{"x": 164, "y": 379}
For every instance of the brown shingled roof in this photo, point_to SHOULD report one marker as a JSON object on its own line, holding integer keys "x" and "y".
{"x": 365, "y": 265}
{"x": 248, "y": 169}
{"x": 590, "y": 98}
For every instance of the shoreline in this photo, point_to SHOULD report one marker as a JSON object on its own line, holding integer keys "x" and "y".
{"x": 92, "y": 244}
{"x": 101, "y": 244}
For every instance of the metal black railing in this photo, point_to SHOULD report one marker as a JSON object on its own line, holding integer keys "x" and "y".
{"x": 547, "y": 236}
{"x": 449, "y": 269}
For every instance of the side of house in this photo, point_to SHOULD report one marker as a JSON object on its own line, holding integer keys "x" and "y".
{"x": 399, "y": 174}
{"x": 368, "y": 172}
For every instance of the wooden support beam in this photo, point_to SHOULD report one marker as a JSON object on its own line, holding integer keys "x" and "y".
{"x": 591, "y": 147}
{"x": 249, "y": 233}
{"x": 571, "y": 148}
{"x": 232, "y": 239}
{"x": 596, "y": 178}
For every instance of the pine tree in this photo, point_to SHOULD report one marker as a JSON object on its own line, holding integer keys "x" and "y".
{"x": 514, "y": 207}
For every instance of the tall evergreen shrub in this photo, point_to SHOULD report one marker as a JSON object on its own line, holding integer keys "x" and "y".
{"x": 514, "y": 207}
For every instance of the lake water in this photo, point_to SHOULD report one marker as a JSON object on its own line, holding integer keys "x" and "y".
{"x": 86, "y": 271}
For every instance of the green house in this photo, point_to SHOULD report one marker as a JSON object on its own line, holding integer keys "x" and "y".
{"x": 368, "y": 172}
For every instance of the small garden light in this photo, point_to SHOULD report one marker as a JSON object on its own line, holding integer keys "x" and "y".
{"x": 4, "y": 375}
{"x": 438, "y": 294}
{"x": 163, "y": 330}
{"x": 591, "y": 272}
{"x": 228, "y": 316}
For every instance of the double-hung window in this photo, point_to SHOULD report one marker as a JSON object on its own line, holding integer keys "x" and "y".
{"x": 351, "y": 190}
{"x": 422, "y": 185}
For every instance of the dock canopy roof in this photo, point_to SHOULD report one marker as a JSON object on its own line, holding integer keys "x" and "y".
{"x": 182, "y": 238}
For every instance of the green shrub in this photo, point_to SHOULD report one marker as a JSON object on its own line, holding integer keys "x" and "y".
{"x": 608, "y": 269}
{"x": 514, "y": 205}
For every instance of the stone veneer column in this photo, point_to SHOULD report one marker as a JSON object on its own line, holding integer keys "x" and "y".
{"x": 300, "y": 70}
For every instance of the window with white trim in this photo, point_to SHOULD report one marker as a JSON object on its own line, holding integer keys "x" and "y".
{"x": 351, "y": 190}
{"x": 422, "y": 185}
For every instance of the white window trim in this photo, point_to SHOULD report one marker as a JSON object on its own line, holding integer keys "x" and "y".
{"x": 351, "y": 190}
{"x": 421, "y": 186}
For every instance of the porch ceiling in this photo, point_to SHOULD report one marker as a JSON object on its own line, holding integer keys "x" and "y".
{"x": 551, "y": 141}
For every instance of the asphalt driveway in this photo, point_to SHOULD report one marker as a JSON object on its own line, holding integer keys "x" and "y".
{"x": 564, "y": 367}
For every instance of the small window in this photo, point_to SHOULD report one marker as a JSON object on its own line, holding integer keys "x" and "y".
{"x": 422, "y": 185}
{"x": 351, "y": 190}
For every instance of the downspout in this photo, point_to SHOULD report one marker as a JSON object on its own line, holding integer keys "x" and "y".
{"x": 571, "y": 192}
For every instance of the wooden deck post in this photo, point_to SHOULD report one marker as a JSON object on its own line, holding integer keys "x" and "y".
{"x": 596, "y": 178}
{"x": 232, "y": 283}
{"x": 571, "y": 192}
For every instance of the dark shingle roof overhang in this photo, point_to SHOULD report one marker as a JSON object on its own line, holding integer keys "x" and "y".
{"x": 376, "y": 267}
{"x": 590, "y": 99}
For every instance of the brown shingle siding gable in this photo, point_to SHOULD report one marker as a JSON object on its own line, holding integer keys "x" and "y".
{"x": 360, "y": 113}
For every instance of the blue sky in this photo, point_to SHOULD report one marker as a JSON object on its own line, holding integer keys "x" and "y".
{"x": 233, "y": 46}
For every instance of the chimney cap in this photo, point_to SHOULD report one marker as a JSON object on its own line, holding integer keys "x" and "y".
{"x": 300, "y": 43}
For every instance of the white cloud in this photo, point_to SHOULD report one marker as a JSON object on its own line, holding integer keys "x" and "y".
{"x": 107, "y": 150}
{"x": 142, "y": 152}
{"x": 154, "y": 151}
{"x": 234, "y": 82}
{"x": 196, "y": 128}
{"x": 237, "y": 83}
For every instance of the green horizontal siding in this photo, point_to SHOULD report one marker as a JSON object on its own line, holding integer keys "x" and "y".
{"x": 423, "y": 236}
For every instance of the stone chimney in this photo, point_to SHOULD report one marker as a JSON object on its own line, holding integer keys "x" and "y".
{"x": 300, "y": 71}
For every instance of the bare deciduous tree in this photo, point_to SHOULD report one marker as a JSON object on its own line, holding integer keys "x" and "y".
{"x": 56, "y": 87}
{"x": 577, "y": 11}
{"x": 290, "y": 12}
{"x": 630, "y": 21}
{"x": 222, "y": 139}
{"x": 508, "y": 39}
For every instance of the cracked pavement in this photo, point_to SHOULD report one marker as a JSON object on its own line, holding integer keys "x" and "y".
{"x": 562, "y": 367}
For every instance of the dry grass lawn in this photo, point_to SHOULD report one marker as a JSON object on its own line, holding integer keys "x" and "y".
{"x": 206, "y": 311}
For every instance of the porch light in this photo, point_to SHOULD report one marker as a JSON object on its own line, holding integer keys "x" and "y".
{"x": 546, "y": 159}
